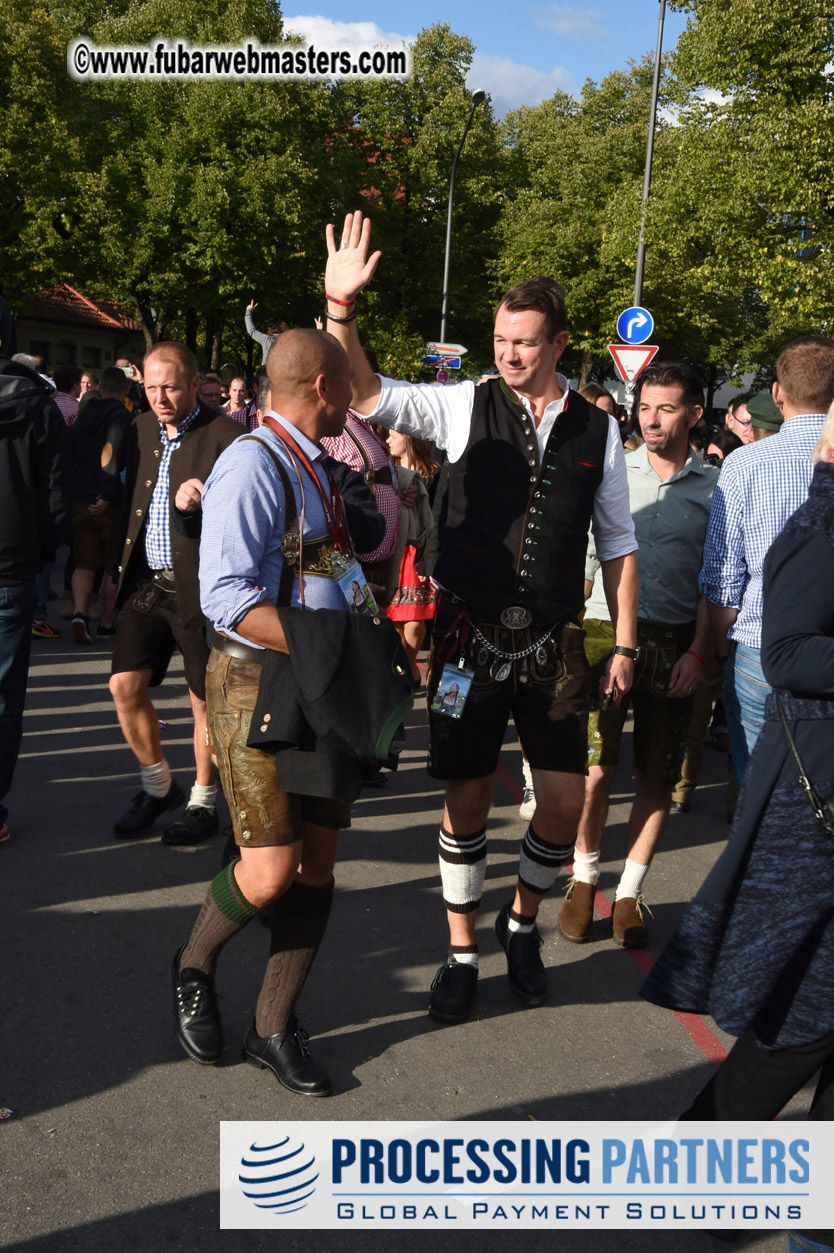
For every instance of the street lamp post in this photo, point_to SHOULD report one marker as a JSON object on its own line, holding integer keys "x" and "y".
{"x": 477, "y": 98}
{"x": 647, "y": 175}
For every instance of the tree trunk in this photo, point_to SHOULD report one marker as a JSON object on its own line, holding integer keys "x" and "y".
{"x": 710, "y": 392}
{"x": 146, "y": 321}
{"x": 192, "y": 322}
{"x": 208, "y": 342}
{"x": 217, "y": 349}
{"x": 587, "y": 367}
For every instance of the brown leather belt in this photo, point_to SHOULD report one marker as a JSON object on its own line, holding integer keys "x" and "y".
{"x": 243, "y": 652}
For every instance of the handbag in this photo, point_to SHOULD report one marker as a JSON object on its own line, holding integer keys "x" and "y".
{"x": 823, "y": 809}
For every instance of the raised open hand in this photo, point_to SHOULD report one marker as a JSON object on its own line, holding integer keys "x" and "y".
{"x": 349, "y": 268}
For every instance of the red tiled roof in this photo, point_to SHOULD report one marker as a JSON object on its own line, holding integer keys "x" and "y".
{"x": 66, "y": 305}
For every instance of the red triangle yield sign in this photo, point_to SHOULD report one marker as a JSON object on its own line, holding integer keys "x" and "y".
{"x": 631, "y": 359}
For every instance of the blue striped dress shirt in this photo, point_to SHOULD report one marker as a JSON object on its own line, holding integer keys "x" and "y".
{"x": 759, "y": 487}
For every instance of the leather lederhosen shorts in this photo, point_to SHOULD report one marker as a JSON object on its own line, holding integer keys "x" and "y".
{"x": 546, "y": 693}
{"x": 262, "y": 814}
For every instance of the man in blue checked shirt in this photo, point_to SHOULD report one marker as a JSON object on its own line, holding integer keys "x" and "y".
{"x": 760, "y": 486}
{"x": 171, "y": 451}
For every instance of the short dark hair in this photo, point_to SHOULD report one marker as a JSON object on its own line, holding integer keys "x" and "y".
{"x": 805, "y": 370}
{"x": 114, "y": 379}
{"x": 739, "y": 400}
{"x": 544, "y": 295}
{"x": 672, "y": 374}
{"x": 66, "y": 377}
{"x": 726, "y": 440}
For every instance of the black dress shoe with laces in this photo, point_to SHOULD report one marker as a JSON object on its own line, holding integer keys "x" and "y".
{"x": 196, "y": 1018}
{"x": 525, "y": 968}
{"x": 287, "y": 1056}
{"x": 196, "y": 825}
{"x": 144, "y": 811}
{"x": 453, "y": 991}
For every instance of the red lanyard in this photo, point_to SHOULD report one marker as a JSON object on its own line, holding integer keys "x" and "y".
{"x": 333, "y": 507}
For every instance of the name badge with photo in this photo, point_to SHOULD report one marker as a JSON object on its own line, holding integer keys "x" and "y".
{"x": 452, "y": 691}
{"x": 354, "y": 585}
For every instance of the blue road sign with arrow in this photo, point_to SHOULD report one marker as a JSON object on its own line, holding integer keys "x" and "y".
{"x": 635, "y": 325}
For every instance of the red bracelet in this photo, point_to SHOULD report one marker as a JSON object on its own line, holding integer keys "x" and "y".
{"x": 337, "y": 301}
{"x": 697, "y": 656}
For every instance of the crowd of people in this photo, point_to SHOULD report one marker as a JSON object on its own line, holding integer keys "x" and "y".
{"x": 295, "y": 540}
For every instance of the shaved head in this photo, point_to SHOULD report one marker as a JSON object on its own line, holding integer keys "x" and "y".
{"x": 298, "y": 358}
{"x": 310, "y": 381}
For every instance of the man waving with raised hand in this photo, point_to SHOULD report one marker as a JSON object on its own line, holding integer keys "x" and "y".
{"x": 533, "y": 466}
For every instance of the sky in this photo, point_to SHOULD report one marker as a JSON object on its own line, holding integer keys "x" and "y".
{"x": 524, "y": 52}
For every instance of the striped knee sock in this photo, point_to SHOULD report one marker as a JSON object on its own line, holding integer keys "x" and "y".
{"x": 540, "y": 862}
{"x": 462, "y": 869}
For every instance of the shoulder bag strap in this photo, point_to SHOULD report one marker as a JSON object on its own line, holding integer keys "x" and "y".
{"x": 290, "y": 521}
{"x": 824, "y": 810}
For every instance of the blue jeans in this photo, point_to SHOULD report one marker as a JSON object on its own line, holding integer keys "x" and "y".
{"x": 745, "y": 693}
{"x": 17, "y": 604}
{"x": 795, "y": 1247}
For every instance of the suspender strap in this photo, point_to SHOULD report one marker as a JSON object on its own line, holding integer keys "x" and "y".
{"x": 290, "y": 528}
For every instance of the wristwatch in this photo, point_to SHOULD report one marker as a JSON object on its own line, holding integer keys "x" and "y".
{"x": 632, "y": 653}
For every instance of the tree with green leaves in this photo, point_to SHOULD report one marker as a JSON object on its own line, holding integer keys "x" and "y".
{"x": 745, "y": 216}
{"x": 404, "y": 135}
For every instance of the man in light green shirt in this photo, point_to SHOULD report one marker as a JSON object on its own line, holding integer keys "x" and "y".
{"x": 670, "y": 489}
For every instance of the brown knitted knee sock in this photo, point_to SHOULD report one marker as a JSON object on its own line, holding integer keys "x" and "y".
{"x": 299, "y": 921}
{"x": 225, "y": 912}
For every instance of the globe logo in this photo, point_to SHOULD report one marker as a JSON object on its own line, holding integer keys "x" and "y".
{"x": 279, "y": 1177}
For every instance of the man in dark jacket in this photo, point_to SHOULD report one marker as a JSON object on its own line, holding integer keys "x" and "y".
{"x": 34, "y": 519}
{"x": 99, "y": 439}
{"x": 170, "y": 454}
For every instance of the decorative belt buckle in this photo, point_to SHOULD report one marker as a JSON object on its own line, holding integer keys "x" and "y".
{"x": 516, "y": 618}
{"x": 290, "y": 545}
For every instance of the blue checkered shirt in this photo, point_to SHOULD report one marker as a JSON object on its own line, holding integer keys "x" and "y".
{"x": 759, "y": 487}
{"x": 158, "y": 528}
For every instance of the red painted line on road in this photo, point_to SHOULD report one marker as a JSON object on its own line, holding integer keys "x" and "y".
{"x": 693, "y": 1024}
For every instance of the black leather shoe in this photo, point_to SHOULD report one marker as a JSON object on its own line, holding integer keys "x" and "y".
{"x": 196, "y": 1018}
{"x": 287, "y": 1056}
{"x": 196, "y": 825}
{"x": 453, "y": 991}
{"x": 525, "y": 968}
{"x": 144, "y": 811}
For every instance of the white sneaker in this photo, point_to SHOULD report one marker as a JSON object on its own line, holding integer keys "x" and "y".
{"x": 527, "y": 808}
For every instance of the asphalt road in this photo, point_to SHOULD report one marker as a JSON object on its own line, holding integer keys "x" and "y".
{"x": 113, "y": 1137}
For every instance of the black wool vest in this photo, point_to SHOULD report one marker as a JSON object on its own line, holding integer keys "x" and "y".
{"x": 517, "y": 526}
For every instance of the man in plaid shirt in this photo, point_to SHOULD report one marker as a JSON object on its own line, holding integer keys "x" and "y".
{"x": 67, "y": 380}
{"x": 760, "y": 486}
{"x": 171, "y": 452}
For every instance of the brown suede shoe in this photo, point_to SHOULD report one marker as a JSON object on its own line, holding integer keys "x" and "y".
{"x": 629, "y": 928}
{"x": 577, "y": 911}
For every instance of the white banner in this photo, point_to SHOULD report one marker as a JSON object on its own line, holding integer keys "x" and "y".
{"x": 293, "y": 1176}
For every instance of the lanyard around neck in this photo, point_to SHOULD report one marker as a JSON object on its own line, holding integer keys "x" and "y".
{"x": 332, "y": 503}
